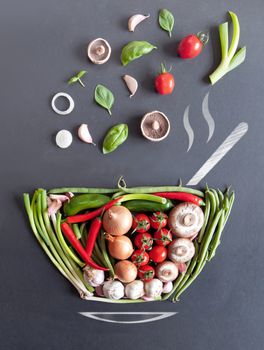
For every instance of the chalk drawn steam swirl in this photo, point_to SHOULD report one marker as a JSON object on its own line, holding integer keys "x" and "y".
{"x": 187, "y": 127}
{"x": 208, "y": 117}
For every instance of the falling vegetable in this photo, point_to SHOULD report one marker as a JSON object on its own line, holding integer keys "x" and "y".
{"x": 64, "y": 139}
{"x": 115, "y": 137}
{"x": 135, "y": 20}
{"x": 166, "y": 20}
{"x": 164, "y": 82}
{"x": 192, "y": 45}
{"x": 104, "y": 97}
{"x": 131, "y": 84}
{"x": 84, "y": 134}
{"x": 231, "y": 58}
{"x": 134, "y": 50}
{"x": 77, "y": 78}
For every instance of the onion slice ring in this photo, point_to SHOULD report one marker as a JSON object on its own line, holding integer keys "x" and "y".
{"x": 70, "y": 100}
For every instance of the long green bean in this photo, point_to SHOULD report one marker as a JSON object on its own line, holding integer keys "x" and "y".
{"x": 206, "y": 217}
{"x": 104, "y": 252}
{"x": 83, "y": 190}
{"x": 146, "y": 189}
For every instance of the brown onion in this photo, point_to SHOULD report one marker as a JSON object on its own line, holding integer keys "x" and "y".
{"x": 125, "y": 271}
{"x": 120, "y": 247}
{"x": 117, "y": 220}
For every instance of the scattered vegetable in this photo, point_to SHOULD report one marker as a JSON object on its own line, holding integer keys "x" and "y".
{"x": 131, "y": 84}
{"x": 146, "y": 273}
{"x": 192, "y": 45}
{"x": 104, "y": 97}
{"x": 134, "y": 50}
{"x": 158, "y": 254}
{"x": 99, "y": 51}
{"x": 125, "y": 271}
{"x": 113, "y": 290}
{"x": 141, "y": 223}
{"x": 84, "y": 134}
{"x": 120, "y": 247}
{"x": 77, "y": 78}
{"x": 64, "y": 139}
{"x": 134, "y": 290}
{"x": 166, "y": 20}
{"x": 68, "y": 98}
{"x": 155, "y": 126}
{"x": 231, "y": 58}
{"x": 167, "y": 271}
{"x": 135, "y": 20}
{"x": 164, "y": 82}
{"x": 117, "y": 220}
{"x": 115, "y": 137}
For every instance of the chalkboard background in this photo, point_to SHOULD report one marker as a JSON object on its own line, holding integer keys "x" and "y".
{"x": 43, "y": 43}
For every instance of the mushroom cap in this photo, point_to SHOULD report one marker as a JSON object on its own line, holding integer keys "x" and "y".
{"x": 155, "y": 126}
{"x": 186, "y": 219}
{"x": 181, "y": 250}
{"x": 94, "y": 48}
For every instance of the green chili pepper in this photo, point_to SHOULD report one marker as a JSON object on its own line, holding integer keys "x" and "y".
{"x": 142, "y": 205}
{"x": 84, "y": 202}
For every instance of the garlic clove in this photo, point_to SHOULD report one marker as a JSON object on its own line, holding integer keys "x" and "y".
{"x": 84, "y": 134}
{"x": 54, "y": 206}
{"x": 134, "y": 20}
{"x": 63, "y": 198}
{"x": 131, "y": 84}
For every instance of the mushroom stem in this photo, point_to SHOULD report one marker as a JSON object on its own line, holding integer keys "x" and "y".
{"x": 155, "y": 125}
{"x": 189, "y": 219}
{"x": 100, "y": 50}
{"x": 181, "y": 250}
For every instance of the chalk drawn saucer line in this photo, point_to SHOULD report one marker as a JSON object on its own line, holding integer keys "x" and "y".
{"x": 95, "y": 316}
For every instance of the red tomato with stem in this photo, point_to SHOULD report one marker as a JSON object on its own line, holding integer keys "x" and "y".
{"x": 163, "y": 237}
{"x": 141, "y": 223}
{"x": 158, "y": 220}
{"x": 164, "y": 82}
{"x": 192, "y": 45}
{"x": 143, "y": 241}
{"x": 158, "y": 254}
{"x": 146, "y": 273}
{"x": 140, "y": 257}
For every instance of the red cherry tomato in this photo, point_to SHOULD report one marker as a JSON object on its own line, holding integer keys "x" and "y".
{"x": 164, "y": 82}
{"x": 140, "y": 257}
{"x": 163, "y": 237}
{"x": 190, "y": 46}
{"x": 143, "y": 241}
{"x": 141, "y": 223}
{"x": 158, "y": 220}
{"x": 146, "y": 273}
{"x": 158, "y": 254}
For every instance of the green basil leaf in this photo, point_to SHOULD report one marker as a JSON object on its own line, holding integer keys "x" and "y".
{"x": 81, "y": 74}
{"x": 115, "y": 137}
{"x": 166, "y": 20}
{"x": 104, "y": 97}
{"x": 134, "y": 50}
{"x": 72, "y": 80}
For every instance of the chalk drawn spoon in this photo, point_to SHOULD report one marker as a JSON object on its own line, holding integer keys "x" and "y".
{"x": 221, "y": 151}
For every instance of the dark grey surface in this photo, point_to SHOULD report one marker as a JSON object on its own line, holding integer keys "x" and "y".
{"x": 42, "y": 44}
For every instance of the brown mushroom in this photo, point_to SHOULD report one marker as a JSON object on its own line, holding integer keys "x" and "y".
{"x": 181, "y": 250}
{"x": 186, "y": 219}
{"x": 99, "y": 51}
{"x": 155, "y": 126}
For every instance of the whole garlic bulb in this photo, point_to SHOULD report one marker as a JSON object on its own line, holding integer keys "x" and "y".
{"x": 153, "y": 288}
{"x": 135, "y": 289}
{"x": 93, "y": 276}
{"x": 113, "y": 290}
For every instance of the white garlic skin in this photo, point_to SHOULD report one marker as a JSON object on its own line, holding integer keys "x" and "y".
{"x": 167, "y": 287}
{"x": 93, "y": 276}
{"x": 153, "y": 288}
{"x": 113, "y": 290}
{"x": 134, "y": 290}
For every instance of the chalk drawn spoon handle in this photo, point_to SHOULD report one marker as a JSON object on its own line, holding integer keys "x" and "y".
{"x": 221, "y": 151}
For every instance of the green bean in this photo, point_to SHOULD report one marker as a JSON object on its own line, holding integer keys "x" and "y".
{"x": 220, "y": 197}
{"x": 216, "y": 239}
{"x": 217, "y": 202}
{"x": 206, "y": 217}
{"x": 105, "y": 255}
{"x": 76, "y": 230}
{"x": 118, "y": 194}
{"x": 99, "y": 255}
{"x": 231, "y": 202}
{"x": 83, "y": 190}
{"x": 212, "y": 211}
{"x": 83, "y": 234}
{"x": 190, "y": 280}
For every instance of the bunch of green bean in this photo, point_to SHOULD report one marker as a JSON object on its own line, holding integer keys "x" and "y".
{"x": 217, "y": 210}
{"x": 48, "y": 233}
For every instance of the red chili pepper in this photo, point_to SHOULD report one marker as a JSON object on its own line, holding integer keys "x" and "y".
{"x": 181, "y": 196}
{"x": 93, "y": 214}
{"x": 92, "y": 235}
{"x": 69, "y": 234}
